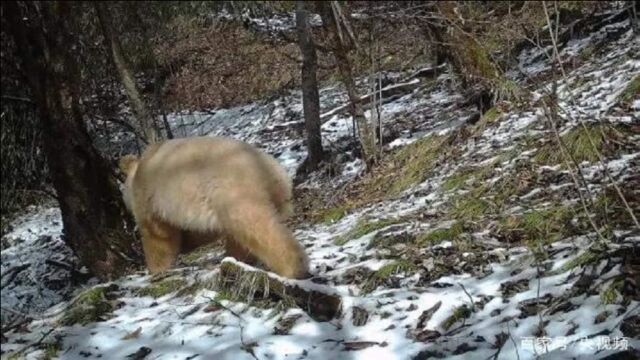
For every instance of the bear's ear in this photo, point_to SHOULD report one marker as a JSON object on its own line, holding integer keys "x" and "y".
{"x": 127, "y": 163}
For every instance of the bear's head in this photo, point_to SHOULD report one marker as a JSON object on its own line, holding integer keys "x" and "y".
{"x": 128, "y": 165}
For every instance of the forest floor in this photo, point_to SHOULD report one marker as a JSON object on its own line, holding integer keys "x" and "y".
{"x": 469, "y": 241}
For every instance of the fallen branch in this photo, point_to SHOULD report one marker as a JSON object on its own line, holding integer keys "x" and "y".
{"x": 13, "y": 272}
{"x": 389, "y": 94}
{"x": 429, "y": 72}
{"x": 249, "y": 284}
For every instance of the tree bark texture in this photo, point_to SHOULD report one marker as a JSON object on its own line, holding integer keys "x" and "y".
{"x": 96, "y": 224}
{"x": 310, "y": 96}
{"x": 341, "y": 47}
{"x": 136, "y": 101}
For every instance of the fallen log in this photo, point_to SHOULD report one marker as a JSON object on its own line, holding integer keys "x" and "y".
{"x": 249, "y": 284}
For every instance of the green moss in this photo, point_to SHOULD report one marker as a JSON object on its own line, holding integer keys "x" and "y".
{"x": 610, "y": 210}
{"x": 199, "y": 253}
{"x": 610, "y": 294}
{"x": 383, "y": 239}
{"x": 463, "y": 176}
{"x": 162, "y": 287}
{"x": 18, "y": 355}
{"x": 407, "y": 166}
{"x": 489, "y": 117}
{"x": 384, "y": 273}
{"x": 470, "y": 206}
{"x": 581, "y": 147}
{"x": 252, "y": 287}
{"x": 589, "y": 256}
{"x": 538, "y": 227}
{"x": 364, "y": 227}
{"x": 476, "y": 59}
{"x": 456, "y": 181}
{"x": 394, "y": 268}
{"x": 51, "y": 351}
{"x": 91, "y": 306}
{"x": 582, "y": 143}
{"x": 415, "y": 161}
{"x": 482, "y": 201}
{"x": 586, "y": 54}
{"x": 460, "y": 313}
{"x": 401, "y": 169}
{"x": 632, "y": 90}
{"x": 329, "y": 216}
{"x": 223, "y": 295}
{"x": 507, "y": 156}
{"x": 439, "y": 235}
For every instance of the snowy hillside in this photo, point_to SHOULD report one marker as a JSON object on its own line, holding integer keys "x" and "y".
{"x": 445, "y": 267}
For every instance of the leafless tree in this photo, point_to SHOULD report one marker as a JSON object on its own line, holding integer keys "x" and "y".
{"x": 310, "y": 96}
{"x": 96, "y": 225}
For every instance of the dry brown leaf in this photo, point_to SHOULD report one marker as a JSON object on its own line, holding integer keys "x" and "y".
{"x": 133, "y": 335}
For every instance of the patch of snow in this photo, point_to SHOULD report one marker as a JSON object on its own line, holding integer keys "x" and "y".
{"x": 37, "y": 268}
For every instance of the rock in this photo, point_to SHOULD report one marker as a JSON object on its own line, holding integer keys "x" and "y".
{"x": 532, "y": 307}
{"x": 427, "y": 314}
{"x": 360, "y": 316}
{"x": 510, "y": 288}
{"x": 140, "y": 354}
{"x": 630, "y": 326}
{"x": 359, "y": 345}
{"x": 602, "y": 317}
{"x": 426, "y": 335}
{"x": 285, "y": 324}
{"x": 463, "y": 348}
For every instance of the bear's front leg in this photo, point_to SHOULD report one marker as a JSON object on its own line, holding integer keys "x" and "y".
{"x": 161, "y": 243}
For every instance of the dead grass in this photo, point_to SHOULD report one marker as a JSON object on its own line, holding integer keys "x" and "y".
{"x": 227, "y": 65}
{"x": 397, "y": 171}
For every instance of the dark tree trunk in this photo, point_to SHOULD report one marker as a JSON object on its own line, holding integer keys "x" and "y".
{"x": 310, "y": 96}
{"x": 96, "y": 224}
{"x": 633, "y": 15}
{"x": 139, "y": 108}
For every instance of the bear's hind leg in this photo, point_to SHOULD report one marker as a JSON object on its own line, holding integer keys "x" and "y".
{"x": 257, "y": 228}
{"x": 161, "y": 243}
{"x": 239, "y": 252}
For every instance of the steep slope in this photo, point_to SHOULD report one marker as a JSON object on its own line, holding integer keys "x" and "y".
{"x": 480, "y": 246}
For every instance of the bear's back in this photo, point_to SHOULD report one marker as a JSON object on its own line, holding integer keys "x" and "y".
{"x": 213, "y": 171}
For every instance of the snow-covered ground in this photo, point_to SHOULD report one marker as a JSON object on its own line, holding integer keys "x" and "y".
{"x": 493, "y": 300}
{"x": 38, "y": 268}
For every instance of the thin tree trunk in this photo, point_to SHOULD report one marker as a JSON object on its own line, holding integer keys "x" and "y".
{"x": 310, "y": 96}
{"x": 341, "y": 46}
{"x": 633, "y": 15}
{"x": 96, "y": 224}
{"x": 138, "y": 106}
{"x": 158, "y": 77}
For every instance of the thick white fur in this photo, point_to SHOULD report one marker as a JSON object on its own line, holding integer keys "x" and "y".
{"x": 212, "y": 185}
